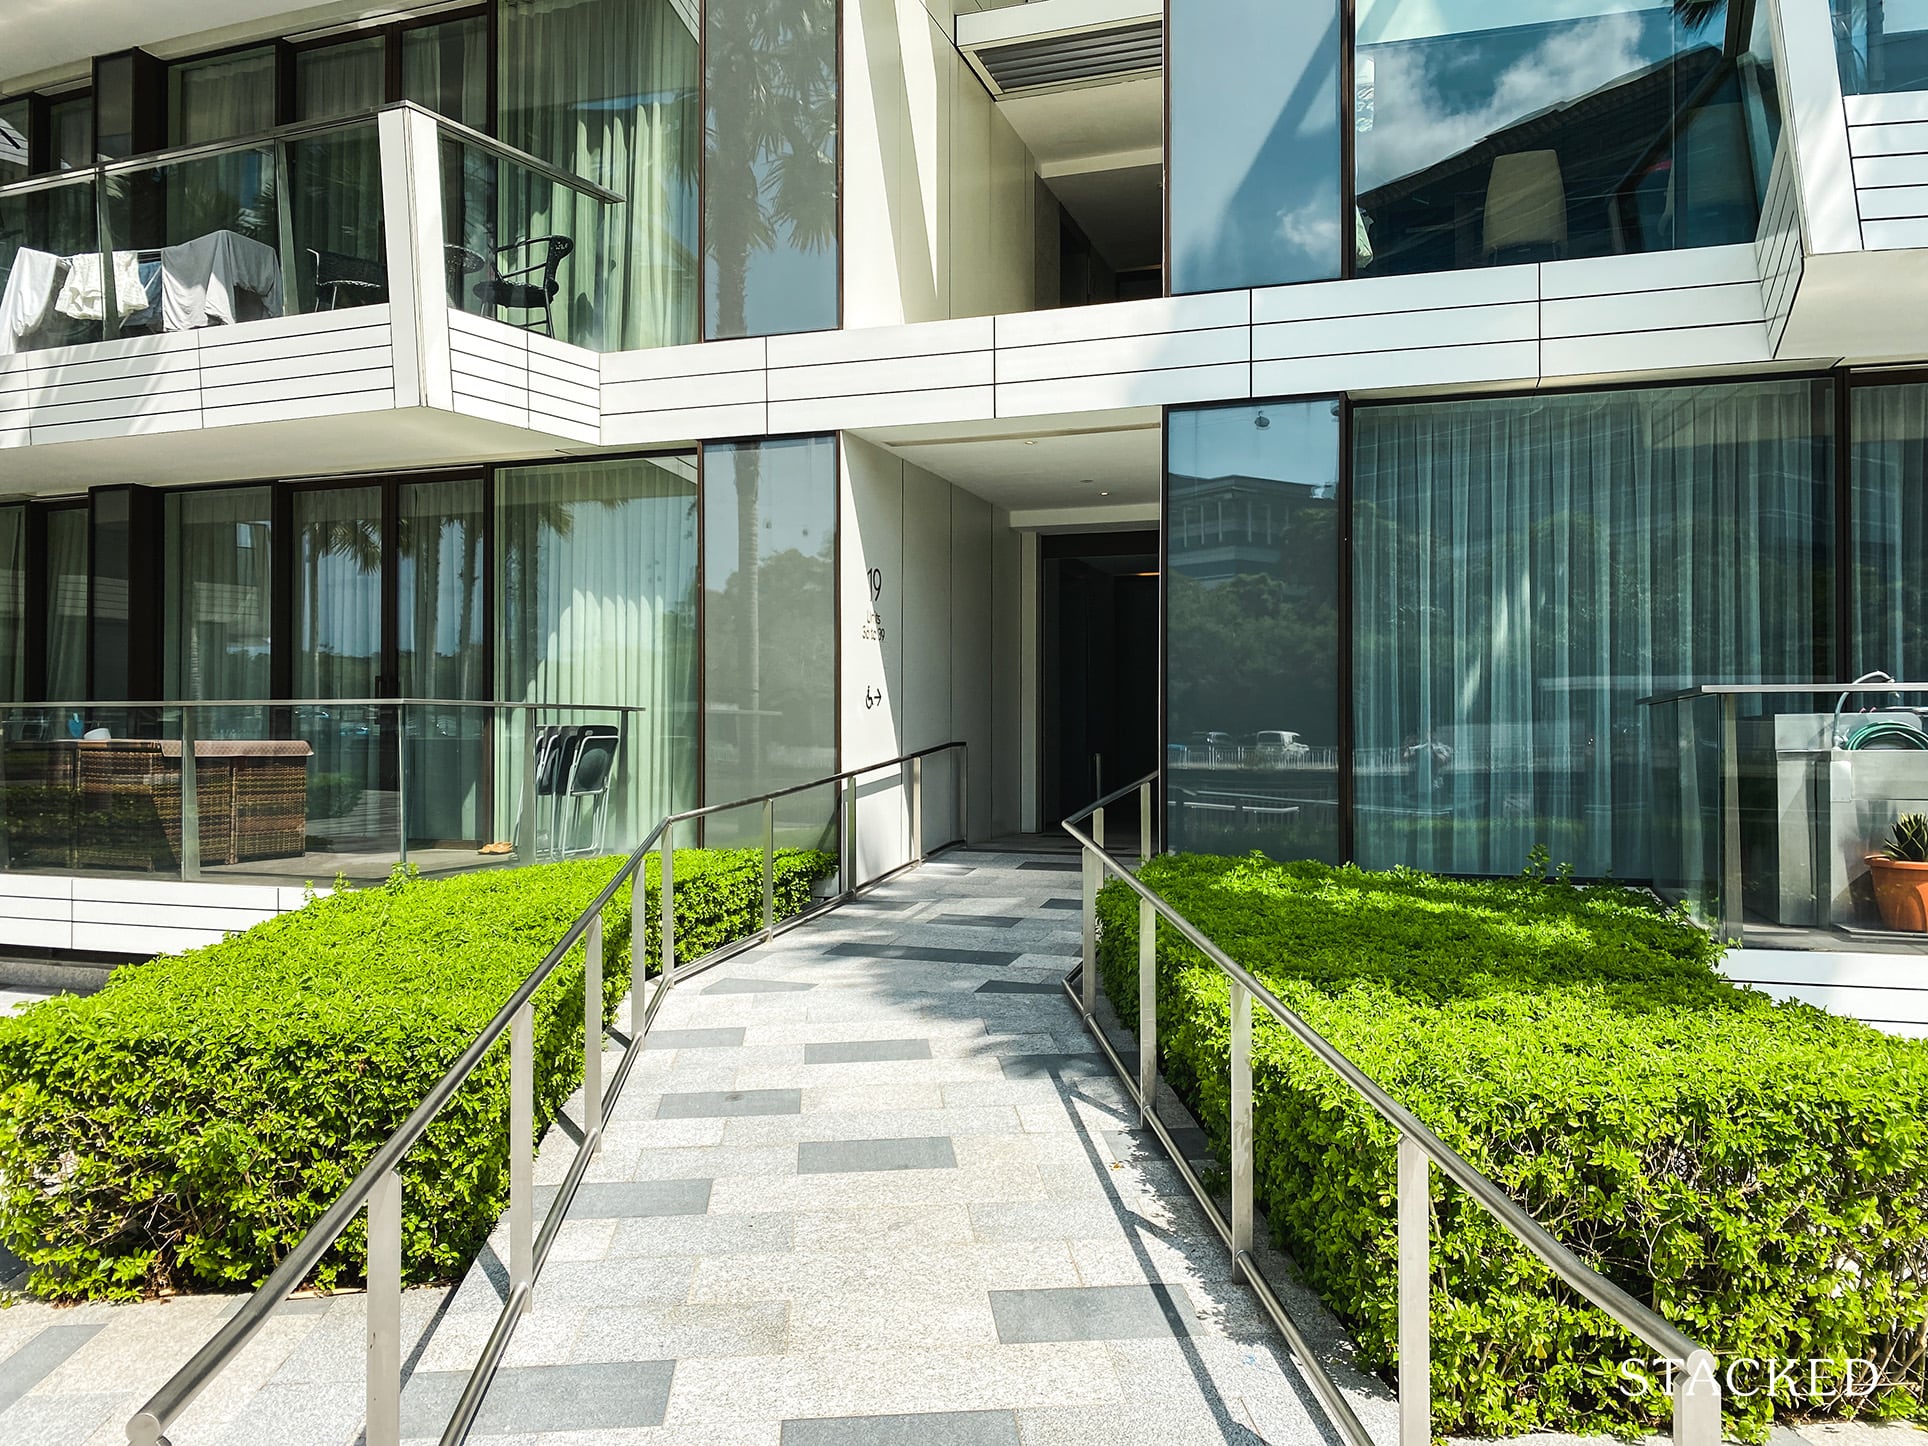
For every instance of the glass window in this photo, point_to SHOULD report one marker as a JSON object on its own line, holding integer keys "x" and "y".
{"x": 70, "y": 123}
{"x": 15, "y": 122}
{"x": 1255, "y": 165}
{"x": 338, "y": 592}
{"x": 445, "y": 67}
{"x": 1488, "y": 133}
{"x": 1880, "y": 45}
{"x": 110, "y": 515}
{"x": 66, "y": 604}
{"x": 1526, "y": 569}
{"x": 770, "y": 168}
{"x": 13, "y": 604}
{"x": 596, "y": 573}
{"x": 609, "y": 90}
{"x": 769, "y": 626}
{"x": 1889, "y": 467}
{"x": 341, "y": 79}
{"x": 218, "y": 581}
{"x": 221, "y": 97}
{"x": 1252, "y": 630}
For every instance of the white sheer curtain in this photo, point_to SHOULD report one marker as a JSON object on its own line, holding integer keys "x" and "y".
{"x": 66, "y": 604}
{"x": 610, "y": 90}
{"x": 1526, "y": 569}
{"x": 1890, "y": 511}
{"x": 218, "y": 593}
{"x": 13, "y": 603}
{"x": 596, "y": 605}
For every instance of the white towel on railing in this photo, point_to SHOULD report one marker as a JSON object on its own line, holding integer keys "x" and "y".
{"x": 81, "y": 297}
{"x": 199, "y": 279}
{"x": 29, "y": 295}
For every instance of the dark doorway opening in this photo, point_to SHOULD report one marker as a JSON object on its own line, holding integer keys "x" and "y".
{"x": 1099, "y": 610}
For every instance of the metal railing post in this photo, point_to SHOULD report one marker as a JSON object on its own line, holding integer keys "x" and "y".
{"x": 522, "y": 1150}
{"x": 917, "y": 810}
{"x": 1241, "y": 1123}
{"x": 1415, "y": 1295}
{"x": 638, "y": 949}
{"x": 525, "y": 827}
{"x": 1098, "y": 826}
{"x": 1730, "y": 817}
{"x": 1697, "y": 1401}
{"x": 1094, "y": 877}
{"x": 385, "y": 1312}
{"x": 1147, "y": 1011}
{"x": 190, "y": 801}
{"x": 401, "y": 781}
{"x": 592, "y": 1031}
{"x": 963, "y": 794}
{"x": 1144, "y": 821}
{"x": 850, "y": 834}
{"x": 666, "y": 893}
{"x": 769, "y": 867}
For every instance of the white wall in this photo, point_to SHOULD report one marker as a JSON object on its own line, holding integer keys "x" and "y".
{"x": 939, "y": 191}
{"x": 920, "y": 649}
{"x": 1889, "y": 991}
{"x": 134, "y": 918}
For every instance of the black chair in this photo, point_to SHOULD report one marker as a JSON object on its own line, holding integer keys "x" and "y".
{"x": 508, "y": 289}
{"x": 592, "y": 770}
{"x": 346, "y": 280}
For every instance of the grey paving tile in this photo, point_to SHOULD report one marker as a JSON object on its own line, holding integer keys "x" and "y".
{"x": 729, "y": 1104}
{"x": 692, "y": 1039}
{"x": 1091, "y": 1313}
{"x": 597, "y": 1395}
{"x": 21, "y": 1371}
{"x": 978, "y": 921}
{"x": 987, "y": 958}
{"x": 894, "y": 906}
{"x": 849, "y": 1157}
{"x": 623, "y": 1199}
{"x": 1064, "y": 903}
{"x": 1054, "y": 1066}
{"x": 940, "y": 1428}
{"x": 1050, "y": 866}
{"x": 60, "y": 1420}
{"x": 1019, "y": 986}
{"x": 758, "y": 986}
{"x": 866, "y": 1051}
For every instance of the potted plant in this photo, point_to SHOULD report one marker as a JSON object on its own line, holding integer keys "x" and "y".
{"x": 1900, "y": 873}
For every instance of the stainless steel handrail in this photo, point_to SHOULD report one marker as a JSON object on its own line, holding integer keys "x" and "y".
{"x": 1697, "y": 1414}
{"x": 99, "y": 705}
{"x": 298, "y": 130}
{"x": 378, "y": 1186}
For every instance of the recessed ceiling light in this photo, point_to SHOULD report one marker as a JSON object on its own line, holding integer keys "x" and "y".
{"x": 1104, "y": 494}
{"x": 1030, "y": 441}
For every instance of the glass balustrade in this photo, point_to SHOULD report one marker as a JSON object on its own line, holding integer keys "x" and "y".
{"x": 293, "y": 792}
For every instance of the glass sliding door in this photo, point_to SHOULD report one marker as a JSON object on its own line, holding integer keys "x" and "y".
{"x": 13, "y": 603}
{"x": 66, "y": 628}
{"x": 445, "y": 66}
{"x": 1889, "y": 466}
{"x": 1252, "y": 630}
{"x": 1526, "y": 569}
{"x": 345, "y": 78}
{"x": 439, "y": 628}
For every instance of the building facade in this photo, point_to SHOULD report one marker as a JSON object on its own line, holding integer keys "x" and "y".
{"x": 1385, "y": 419}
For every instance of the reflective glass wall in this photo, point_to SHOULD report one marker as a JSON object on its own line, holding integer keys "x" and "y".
{"x": 1489, "y": 132}
{"x": 13, "y": 603}
{"x": 1526, "y": 569}
{"x": 1255, "y": 178}
{"x": 1888, "y": 465}
{"x": 769, "y": 622}
{"x": 1252, "y": 630}
{"x": 1880, "y": 45}
{"x": 770, "y": 178}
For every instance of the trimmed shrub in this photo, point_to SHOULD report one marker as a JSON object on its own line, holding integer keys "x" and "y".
{"x": 185, "y": 1126}
{"x": 1756, "y": 1172}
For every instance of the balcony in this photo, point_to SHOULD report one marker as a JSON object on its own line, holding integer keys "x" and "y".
{"x": 393, "y": 266}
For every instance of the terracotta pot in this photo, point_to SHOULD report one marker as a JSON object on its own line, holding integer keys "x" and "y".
{"x": 1901, "y": 893}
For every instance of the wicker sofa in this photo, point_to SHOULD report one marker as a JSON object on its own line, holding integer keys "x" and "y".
{"x": 115, "y": 803}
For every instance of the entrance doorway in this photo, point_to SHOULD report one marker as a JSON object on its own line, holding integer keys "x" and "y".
{"x": 1099, "y": 606}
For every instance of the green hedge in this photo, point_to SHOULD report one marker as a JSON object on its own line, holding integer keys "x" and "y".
{"x": 187, "y": 1124}
{"x": 1756, "y": 1172}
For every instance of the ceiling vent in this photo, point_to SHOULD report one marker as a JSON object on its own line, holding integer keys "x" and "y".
{"x": 1077, "y": 58}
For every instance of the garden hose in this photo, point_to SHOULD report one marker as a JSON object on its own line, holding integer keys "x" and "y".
{"x": 1888, "y": 737}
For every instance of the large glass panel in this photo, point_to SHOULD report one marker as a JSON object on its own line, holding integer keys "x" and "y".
{"x": 338, "y": 592}
{"x": 439, "y": 630}
{"x": 218, "y": 580}
{"x": 40, "y": 232}
{"x": 1888, "y": 465}
{"x": 110, "y": 516}
{"x": 15, "y": 116}
{"x": 769, "y": 623}
{"x": 220, "y": 97}
{"x": 607, "y": 90}
{"x": 1255, "y": 163}
{"x": 770, "y": 168}
{"x": 13, "y": 603}
{"x": 335, "y": 186}
{"x": 1252, "y": 630}
{"x": 1526, "y": 569}
{"x": 1494, "y": 133}
{"x": 340, "y": 79}
{"x": 71, "y": 121}
{"x": 1880, "y": 45}
{"x": 66, "y": 637}
{"x": 596, "y": 573}
{"x": 445, "y": 67}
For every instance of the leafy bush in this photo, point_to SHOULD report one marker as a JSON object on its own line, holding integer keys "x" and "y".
{"x": 1756, "y": 1172}
{"x": 330, "y": 795}
{"x": 187, "y": 1124}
